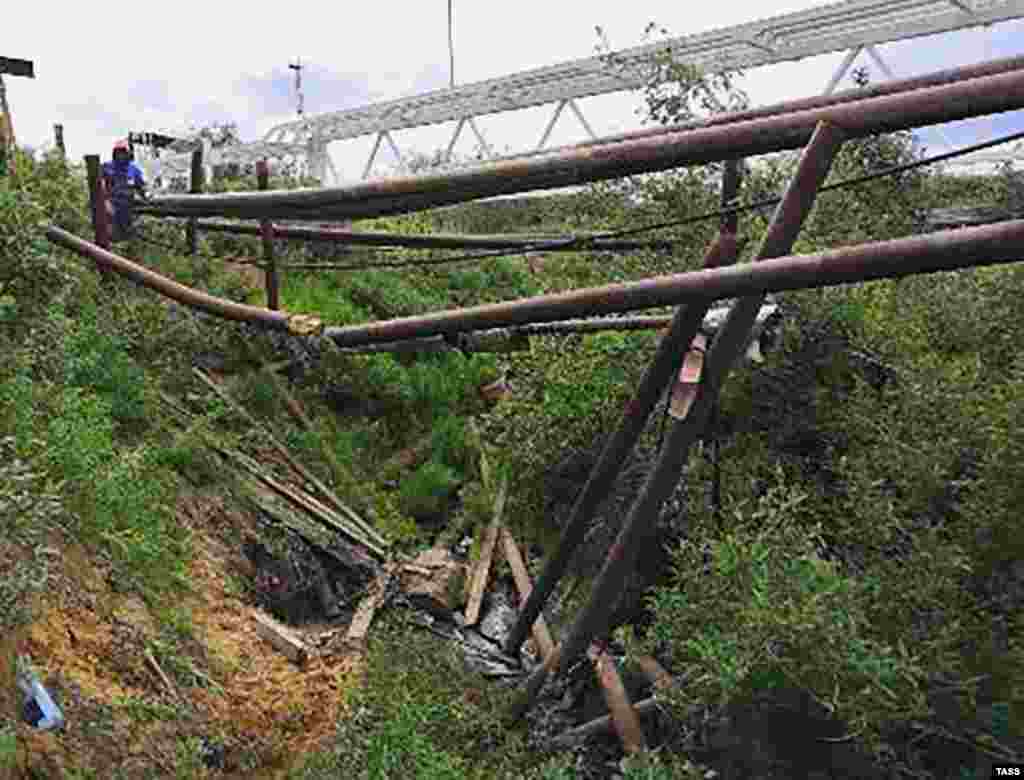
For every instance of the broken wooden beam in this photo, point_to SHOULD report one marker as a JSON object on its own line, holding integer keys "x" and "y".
{"x": 307, "y": 503}
{"x": 624, "y": 718}
{"x": 541, "y": 634}
{"x": 603, "y": 725}
{"x": 375, "y": 596}
{"x": 329, "y": 495}
{"x": 433, "y": 581}
{"x": 483, "y": 567}
{"x": 282, "y": 638}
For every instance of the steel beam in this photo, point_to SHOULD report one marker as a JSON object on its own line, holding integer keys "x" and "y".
{"x": 844, "y": 66}
{"x": 832, "y": 27}
{"x": 937, "y": 78}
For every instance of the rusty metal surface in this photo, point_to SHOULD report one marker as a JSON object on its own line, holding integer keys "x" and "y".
{"x": 859, "y": 118}
{"x": 435, "y": 240}
{"x": 220, "y": 307}
{"x": 666, "y": 362}
{"x": 592, "y": 621}
{"x": 943, "y": 251}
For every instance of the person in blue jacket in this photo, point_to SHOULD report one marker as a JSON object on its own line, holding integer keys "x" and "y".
{"x": 123, "y": 179}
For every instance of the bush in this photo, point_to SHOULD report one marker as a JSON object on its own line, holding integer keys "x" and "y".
{"x": 758, "y": 607}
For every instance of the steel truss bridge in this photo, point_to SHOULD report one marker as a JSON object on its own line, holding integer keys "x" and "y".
{"x": 853, "y": 26}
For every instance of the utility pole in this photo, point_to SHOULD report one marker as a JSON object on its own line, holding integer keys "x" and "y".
{"x": 297, "y": 67}
{"x": 13, "y": 67}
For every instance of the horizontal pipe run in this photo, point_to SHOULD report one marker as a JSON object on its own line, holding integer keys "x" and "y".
{"x": 857, "y": 119}
{"x": 434, "y": 241}
{"x": 277, "y": 320}
{"x": 944, "y": 251}
{"x": 934, "y": 79}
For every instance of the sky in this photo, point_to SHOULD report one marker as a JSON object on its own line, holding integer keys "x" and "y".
{"x": 107, "y": 68}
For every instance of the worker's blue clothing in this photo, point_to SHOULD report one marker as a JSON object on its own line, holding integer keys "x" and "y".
{"x": 122, "y": 178}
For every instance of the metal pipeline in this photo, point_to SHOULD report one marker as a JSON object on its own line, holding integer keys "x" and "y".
{"x": 300, "y": 324}
{"x": 961, "y": 99}
{"x": 949, "y": 250}
{"x": 943, "y": 251}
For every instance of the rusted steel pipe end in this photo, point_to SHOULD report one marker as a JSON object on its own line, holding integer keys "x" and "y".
{"x": 305, "y": 325}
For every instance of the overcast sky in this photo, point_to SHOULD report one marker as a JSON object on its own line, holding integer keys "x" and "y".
{"x": 106, "y": 68}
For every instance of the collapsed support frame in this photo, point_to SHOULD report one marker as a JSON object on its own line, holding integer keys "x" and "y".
{"x": 822, "y": 129}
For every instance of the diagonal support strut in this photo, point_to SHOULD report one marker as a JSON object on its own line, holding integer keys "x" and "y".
{"x": 789, "y": 217}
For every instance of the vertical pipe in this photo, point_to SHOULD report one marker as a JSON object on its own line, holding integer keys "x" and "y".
{"x": 731, "y": 178}
{"x": 195, "y": 187}
{"x": 97, "y": 202}
{"x": 786, "y": 223}
{"x": 58, "y": 139}
{"x": 267, "y": 229}
{"x": 666, "y": 363}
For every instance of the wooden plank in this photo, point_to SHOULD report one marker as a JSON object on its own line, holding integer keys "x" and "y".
{"x": 602, "y": 725}
{"x": 283, "y": 640}
{"x": 483, "y": 567}
{"x": 624, "y": 718}
{"x": 368, "y": 607}
{"x": 684, "y": 391}
{"x": 541, "y": 634}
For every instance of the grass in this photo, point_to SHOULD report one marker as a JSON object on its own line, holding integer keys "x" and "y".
{"x": 87, "y": 451}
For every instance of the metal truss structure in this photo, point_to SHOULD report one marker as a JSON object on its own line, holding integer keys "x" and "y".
{"x": 850, "y": 26}
{"x": 853, "y": 26}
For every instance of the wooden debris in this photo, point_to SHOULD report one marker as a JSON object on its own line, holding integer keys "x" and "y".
{"x": 483, "y": 567}
{"x": 306, "y": 503}
{"x": 602, "y": 725}
{"x": 283, "y": 639}
{"x": 349, "y": 557}
{"x": 684, "y": 391}
{"x": 541, "y": 634}
{"x": 440, "y": 589}
{"x": 360, "y": 625}
{"x": 161, "y": 674}
{"x": 624, "y": 717}
{"x": 299, "y": 469}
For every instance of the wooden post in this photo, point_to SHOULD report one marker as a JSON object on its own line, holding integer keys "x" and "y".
{"x": 58, "y": 139}
{"x": 267, "y": 229}
{"x": 196, "y": 187}
{"x": 97, "y": 202}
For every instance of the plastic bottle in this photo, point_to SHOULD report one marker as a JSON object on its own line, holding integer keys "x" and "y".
{"x": 40, "y": 709}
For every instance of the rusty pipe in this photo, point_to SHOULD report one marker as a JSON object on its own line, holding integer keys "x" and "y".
{"x": 796, "y": 204}
{"x": 859, "y": 118}
{"x": 943, "y": 251}
{"x": 278, "y": 320}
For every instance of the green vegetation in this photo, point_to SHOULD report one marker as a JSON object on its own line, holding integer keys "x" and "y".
{"x": 866, "y": 552}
